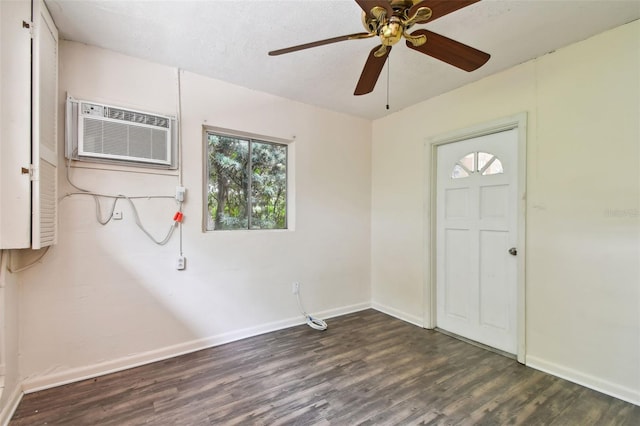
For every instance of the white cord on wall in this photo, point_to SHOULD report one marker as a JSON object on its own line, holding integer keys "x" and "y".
{"x": 96, "y": 197}
{"x": 315, "y": 323}
{"x": 180, "y": 160}
{"x": 45, "y": 250}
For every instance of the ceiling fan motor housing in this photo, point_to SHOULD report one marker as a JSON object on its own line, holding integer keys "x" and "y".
{"x": 390, "y": 28}
{"x": 391, "y": 32}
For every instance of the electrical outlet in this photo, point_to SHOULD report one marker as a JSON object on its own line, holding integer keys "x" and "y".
{"x": 117, "y": 215}
{"x": 180, "y": 191}
{"x": 181, "y": 263}
{"x": 295, "y": 288}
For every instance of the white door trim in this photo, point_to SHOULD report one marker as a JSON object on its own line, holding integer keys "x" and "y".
{"x": 519, "y": 122}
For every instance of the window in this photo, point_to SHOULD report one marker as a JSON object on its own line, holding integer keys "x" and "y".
{"x": 481, "y": 162}
{"x": 247, "y": 183}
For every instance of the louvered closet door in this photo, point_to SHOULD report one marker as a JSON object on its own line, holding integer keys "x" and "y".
{"x": 44, "y": 149}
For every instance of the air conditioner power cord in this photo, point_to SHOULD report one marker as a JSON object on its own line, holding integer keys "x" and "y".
{"x": 315, "y": 323}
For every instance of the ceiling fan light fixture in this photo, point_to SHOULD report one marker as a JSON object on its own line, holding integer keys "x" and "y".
{"x": 391, "y": 32}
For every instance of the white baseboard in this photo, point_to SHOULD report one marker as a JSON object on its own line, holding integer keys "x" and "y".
{"x": 332, "y": 313}
{"x": 10, "y": 405}
{"x": 34, "y": 384}
{"x": 586, "y": 380}
{"x": 398, "y": 314}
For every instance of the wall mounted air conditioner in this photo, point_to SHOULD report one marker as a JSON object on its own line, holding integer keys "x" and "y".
{"x": 105, "y": 133}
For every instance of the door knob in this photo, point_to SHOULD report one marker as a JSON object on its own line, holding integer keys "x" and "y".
{"x": 513, "y": 251}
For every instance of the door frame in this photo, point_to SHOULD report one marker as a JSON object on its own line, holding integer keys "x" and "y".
{"x": 519, "y": 122}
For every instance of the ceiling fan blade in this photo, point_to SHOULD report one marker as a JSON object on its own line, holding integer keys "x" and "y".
{"x": 439, "y": 8}
{"x": 450, "y": 51}
{"x": 371, "y": 72}
{"x": 355, "y": 36}
{"x": 367, "y": 5}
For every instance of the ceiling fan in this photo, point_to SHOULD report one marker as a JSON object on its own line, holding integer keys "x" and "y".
{"x": 391, "y": 20}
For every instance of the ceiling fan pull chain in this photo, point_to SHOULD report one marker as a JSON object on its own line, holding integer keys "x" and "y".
{"x": 388, "y": 66}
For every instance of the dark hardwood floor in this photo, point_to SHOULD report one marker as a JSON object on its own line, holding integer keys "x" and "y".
{"x": 367, "y": 368}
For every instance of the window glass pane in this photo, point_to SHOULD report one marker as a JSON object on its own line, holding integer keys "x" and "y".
{"x": 468, "y": 162}
{"x": 247, "y": 184}
{"x": 268, "y": 186}
{"x": 494, "y": 168}
{"x": 459, "y": 172}
{"x": 483, "y": 159}
{"x": 228, "y": 182}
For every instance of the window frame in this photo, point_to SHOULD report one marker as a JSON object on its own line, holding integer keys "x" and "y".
{"x": 250, "y": 137}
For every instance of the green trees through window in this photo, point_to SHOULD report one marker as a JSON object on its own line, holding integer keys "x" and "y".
{"x": 247, "y": 186}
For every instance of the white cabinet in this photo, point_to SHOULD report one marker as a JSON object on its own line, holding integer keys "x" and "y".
{"x": 28, "y": 125}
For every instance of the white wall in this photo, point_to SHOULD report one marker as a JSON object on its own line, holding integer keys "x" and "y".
{"x": 10, "y": 389}
{"x": 106, "y": 297}
{"x": 583, "y": 204}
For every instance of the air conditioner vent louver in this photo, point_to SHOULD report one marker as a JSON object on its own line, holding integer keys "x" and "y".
{"x": 114, "y": 134}
{"x": 137, "y": 117}
{"x": 122, "y": 140}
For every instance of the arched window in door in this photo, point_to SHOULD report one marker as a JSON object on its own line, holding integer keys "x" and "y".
{"x": 480, "y": 162}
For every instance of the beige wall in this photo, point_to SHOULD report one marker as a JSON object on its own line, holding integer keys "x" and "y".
{"x": 583, "y": 204}
{"x": 106, "y": 297}
{"x": 9, "y": 344}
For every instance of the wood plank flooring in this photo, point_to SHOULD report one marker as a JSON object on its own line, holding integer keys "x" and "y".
{"x": 366, "y": 369}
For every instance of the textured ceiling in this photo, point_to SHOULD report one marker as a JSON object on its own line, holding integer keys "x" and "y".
{"x": 229, "y": 40}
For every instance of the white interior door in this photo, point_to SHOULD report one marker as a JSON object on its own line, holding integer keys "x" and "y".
{"x": 476, "y": 235}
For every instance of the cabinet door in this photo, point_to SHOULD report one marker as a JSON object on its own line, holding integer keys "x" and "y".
{"x": 44, "y": 150}
{"x": 15, "y": 124}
